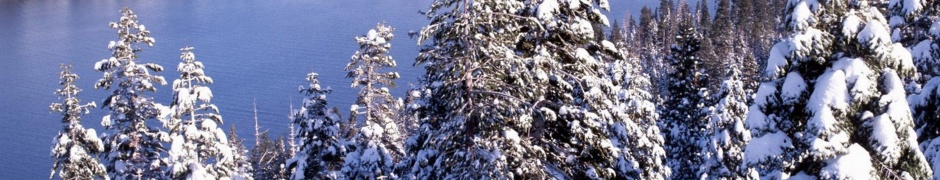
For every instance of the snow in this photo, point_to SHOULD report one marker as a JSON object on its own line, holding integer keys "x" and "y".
{"x": 547, "y": 9}
{"x": 894, "y": 22}
{"x": 855, "y": 164}
{"x": 830, "y": 91}
{"x": 209, "y": 124}
{"x": 203, "y": 93}
{"x": 511, "y": 135}
{"x": 885, "y": 136}
{"x": 857, "y": 76}
{"x": 903, "y": 60}
{"x": 764, "y": 92}
{"x": 909, "y": 7}
{"x": 76, "y": 153}
{"x": 603, "y": 18}
{"x": 92, "y": 137}
{"x": 64, "y": 139}
{"x": 106, "y": 121}
{"x": 827, "y": 138}
{"x": 584, "y": 56}
{"x": 921, "y": 51}
{"x": 793, "y": 87}
{"x": 583, "y": 28}
{"x": 850, "y": 25}
{"x": 894, "y": 87}
{"x": 756, "y": 119}
{"x": 874, "y": 34}
{"x": 806, "y": 42}
{"x": 802, "y": 16}
{"x": 372, "y": 34}
{"x": 574, "y": 4}
{"x": 609, "y": 46}
{"x": 931, "y": 88}
{"x": 931, "y": 149}
{"x": 768, "y": 146}
{"x": 935, "y": 28}
{"x": 604, "y": 5}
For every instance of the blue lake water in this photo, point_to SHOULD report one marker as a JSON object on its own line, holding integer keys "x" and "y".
{"x": 253, "y": 49}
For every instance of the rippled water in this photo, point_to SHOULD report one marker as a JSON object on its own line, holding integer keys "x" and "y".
{"x": 253, "y": 49}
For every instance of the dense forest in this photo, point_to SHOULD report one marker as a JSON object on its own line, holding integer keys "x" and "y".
{"x": 554, "y": 89}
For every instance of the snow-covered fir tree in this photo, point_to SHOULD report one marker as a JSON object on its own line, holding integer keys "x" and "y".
{"x": 239, "y": 155}
{"x": 521, "y": 90}
{"x": 199, "y": 148}
{"x": 377, "y": 146}
{"x": 726, "y": 135}
{"x": 684, "y": 114}
{"x": 472, "y": 113}
{"x": 833, "y": 104}
{"x": 75, "y": 148}
{"x": 321, "y": 149}
{"x": 133, "y": 148}
{"x": 641, "y": 144}
{"x": 409, "y": 114}
{"x": 916, "y": 24}
{"x": 576, "y": 105}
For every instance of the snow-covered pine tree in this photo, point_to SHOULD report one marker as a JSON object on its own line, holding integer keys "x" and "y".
{"x": 474, "y": 127}
{"x": 409, "y": 114}
{"x": 833, "y": 106}
{"x": 723, "y": 45}
{"x": 641, "y": 145}
{"x": 651, "y": 54}
{"x": 378, "y": 144}
{"x": 321, "y": 150}
{"x": 914, "y": 21}
{"x": 74, "y": 148}
{"x": 521, "y": 90}
{"x": 239, "y": 155}
{"x": 910, "y": 21}
{"x": 133, "y": 149}
{"x": 576, "y": 105}
{"x": 684, "y": 114}
{"x": 200, "y": 149}
{"x": 725, "y": 135}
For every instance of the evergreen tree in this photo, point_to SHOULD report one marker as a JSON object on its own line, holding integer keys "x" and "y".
{"x": 723, "y": 47}
{"x": 377, "y": 146}
{"x": 726, "y": 135}
{"x": 913, "y": 23}
{"x": 74, "y": 148}
{"x": 505, "y": 106}
{"x": 617, "y": 31}
{"x": 578, "y": 99}
{"x": 704, "y": 18}
{"x": 268, "y": 158}
{"x": 651, "y": 53}
{"x": 638, "y": 136}
{"x": 684, "y": 118}
{"x": 667, "y": 25}
{"x": 710, "y": 61}
{"x": 239, "y": 152}
{"x": 133, "y": 148}
{"x": 412, "y": 106}
{"x": 200, "y": 149}
{"x": 848, "y": 118}
{"x": 473, "y": 108}
{"x": 321, "y": 151}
